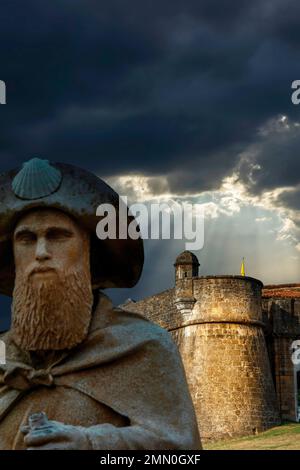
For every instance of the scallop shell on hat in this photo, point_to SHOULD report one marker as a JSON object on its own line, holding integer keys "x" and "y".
{"x": 36, "y": 179}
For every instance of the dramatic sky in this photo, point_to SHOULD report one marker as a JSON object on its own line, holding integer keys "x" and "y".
{"x": 182, "y": 101}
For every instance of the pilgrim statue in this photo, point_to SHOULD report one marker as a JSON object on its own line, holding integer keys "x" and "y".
{"x": 80, "y": 373}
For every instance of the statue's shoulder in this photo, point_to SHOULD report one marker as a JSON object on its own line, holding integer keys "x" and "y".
{"x": 3, "y": 335}
{"x": 117, "y": 317}
{"x": 141, "y": 325}
{"x": 134, "y": 316}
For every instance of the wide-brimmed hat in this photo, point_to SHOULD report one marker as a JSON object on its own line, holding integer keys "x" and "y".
{"x": 77, "y": 192}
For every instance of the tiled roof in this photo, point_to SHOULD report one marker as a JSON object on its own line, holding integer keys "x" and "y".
{"x": 282, "y": 291}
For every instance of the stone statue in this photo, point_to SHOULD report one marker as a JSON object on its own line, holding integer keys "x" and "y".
{"x": 79, "y": 373}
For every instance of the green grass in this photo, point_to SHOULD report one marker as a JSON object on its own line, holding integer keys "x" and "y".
{"x": 284, "y": 437}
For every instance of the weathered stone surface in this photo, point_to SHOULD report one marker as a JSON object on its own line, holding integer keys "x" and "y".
{"x": 235, "y": 340}
{"x": 225, "y": 357}
{"x": 229, "y": 378}
{"x": 158, "y": 308}
{"x": 281, "y": 309}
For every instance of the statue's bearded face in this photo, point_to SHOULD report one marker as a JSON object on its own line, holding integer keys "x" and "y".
{"x": 52, "y": 299}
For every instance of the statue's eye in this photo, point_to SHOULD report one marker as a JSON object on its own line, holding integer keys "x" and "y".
{"x": 25, "y": 237}
{"x": 58, "y": 234}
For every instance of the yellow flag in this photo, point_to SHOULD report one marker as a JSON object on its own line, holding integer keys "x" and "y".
{"x": 243, "y": 267}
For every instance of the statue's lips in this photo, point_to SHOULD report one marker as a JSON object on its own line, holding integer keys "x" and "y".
{"x": 42, "y": 270}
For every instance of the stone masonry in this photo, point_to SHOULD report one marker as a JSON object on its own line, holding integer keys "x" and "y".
{"x": 235, "y": 341}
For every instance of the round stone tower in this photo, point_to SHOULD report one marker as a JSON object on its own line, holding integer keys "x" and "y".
{"x": 222, "y": 343}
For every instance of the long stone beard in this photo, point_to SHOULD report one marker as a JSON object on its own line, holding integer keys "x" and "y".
{"x": 52, "y": 314}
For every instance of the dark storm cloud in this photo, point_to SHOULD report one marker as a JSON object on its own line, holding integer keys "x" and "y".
{"x": 291, "y": 199}
{"x": 273, "y": 161}
{"x": 162, "y": 88}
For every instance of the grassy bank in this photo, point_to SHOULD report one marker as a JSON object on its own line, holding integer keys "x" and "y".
{"x": 284, "y": 437}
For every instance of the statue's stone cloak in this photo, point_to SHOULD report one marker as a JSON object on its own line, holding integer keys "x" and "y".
{"x": 125, "y": 383}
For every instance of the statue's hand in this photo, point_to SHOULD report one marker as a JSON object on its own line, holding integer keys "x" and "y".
{"x": 55, "y": 436}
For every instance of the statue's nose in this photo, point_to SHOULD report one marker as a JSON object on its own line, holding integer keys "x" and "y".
{"x": 42, "y": 251}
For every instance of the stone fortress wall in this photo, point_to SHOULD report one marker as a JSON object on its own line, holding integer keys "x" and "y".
{"x": 233, "y": 347}
{"x": 281, "y": 312}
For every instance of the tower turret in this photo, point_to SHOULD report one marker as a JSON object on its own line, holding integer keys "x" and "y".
{"x": 186, "y": 269}
{"x": 186, "y": 265}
